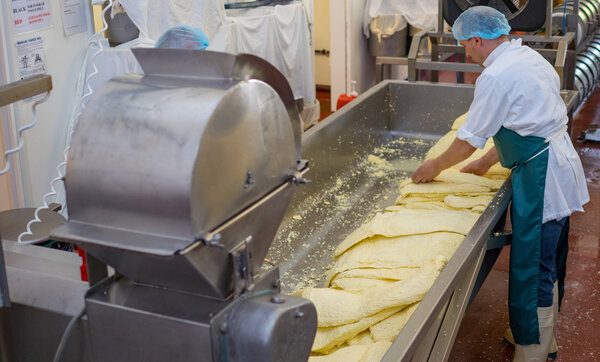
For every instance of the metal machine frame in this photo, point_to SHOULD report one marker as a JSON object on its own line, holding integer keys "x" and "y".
{"x": 559, "y": 50}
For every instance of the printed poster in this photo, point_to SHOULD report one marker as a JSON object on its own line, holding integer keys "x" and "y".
{"x": 31, "y": 59}
{"x": 73, "y": 16}
{"x": 29, "y": 15}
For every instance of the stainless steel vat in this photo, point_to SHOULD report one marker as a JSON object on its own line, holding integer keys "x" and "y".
{"x": 398, "y": 122}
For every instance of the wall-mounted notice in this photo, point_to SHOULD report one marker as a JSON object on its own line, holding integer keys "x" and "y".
{"x": 29, "y": 15}
{"x": 73, "y": 16}
{"x": 31, "y": 59}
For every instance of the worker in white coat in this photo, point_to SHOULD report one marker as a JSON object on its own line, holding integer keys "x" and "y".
{"x": 517, "y": 102}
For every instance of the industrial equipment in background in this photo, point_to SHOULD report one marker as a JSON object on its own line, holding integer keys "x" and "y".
{"x": 590, "y": 134}
{"x": 388, "y": 36}
{"x": 178, "y": 180}
{"x": 566, "y": 35}
{"x": 525, "y": 16}
{"x": 522, "y": 15}
{"x": 120, "y": 28}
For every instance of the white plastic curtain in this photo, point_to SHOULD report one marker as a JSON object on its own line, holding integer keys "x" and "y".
{"x": 421, "y": 14}
{"x": 278, "y": 34}
{"x": 153, "y": 17}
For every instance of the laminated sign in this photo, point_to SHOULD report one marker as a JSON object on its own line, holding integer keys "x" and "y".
{"x": 29, "y": 15}
{"x": 30, "y": 57}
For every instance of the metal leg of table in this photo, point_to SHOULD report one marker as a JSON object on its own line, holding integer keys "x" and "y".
{"x": 424, "y": 350}
{"x": 455, "y": 312}
{"x": 378, "y": 73}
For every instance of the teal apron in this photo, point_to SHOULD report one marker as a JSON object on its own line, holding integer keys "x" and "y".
{"x": 528, "y": 159}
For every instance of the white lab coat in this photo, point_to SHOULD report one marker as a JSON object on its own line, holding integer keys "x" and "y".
{"x": 519, "y": 90}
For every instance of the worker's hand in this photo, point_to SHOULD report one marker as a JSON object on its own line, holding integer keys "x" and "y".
{"x": 478, "y": 167}
{"x": 426, "y": 172}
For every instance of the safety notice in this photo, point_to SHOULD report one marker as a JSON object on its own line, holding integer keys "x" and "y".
{"x": 29, "y": 15}
{"x": 31, "y": 59}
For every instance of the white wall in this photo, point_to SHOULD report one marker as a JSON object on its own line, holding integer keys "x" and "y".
{"x": 45, "y": 142}
{"x": 363, "y": 63}
{"x": 8, "y": 183}
{"x": 337, "y": 55}
{"x": 322, "y": 41}
{"x": 350, "y": 57}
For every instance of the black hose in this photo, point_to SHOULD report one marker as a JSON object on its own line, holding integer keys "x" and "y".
{"x": 249, "y": 4}
{"x": 65, "y": 336}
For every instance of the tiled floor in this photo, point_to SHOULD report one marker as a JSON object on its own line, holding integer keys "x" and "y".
{"x": 480, "y": 334}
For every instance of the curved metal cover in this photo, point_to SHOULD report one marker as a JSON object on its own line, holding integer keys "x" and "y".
{"x": 158, "y": 160}
{"x": 203, "y": 64}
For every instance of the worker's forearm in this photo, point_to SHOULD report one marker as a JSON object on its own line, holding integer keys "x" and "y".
{"x": 458, "y": 151}
{"x": 491, "y": 157}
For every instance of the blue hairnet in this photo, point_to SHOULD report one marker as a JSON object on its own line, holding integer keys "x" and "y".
{"x": 183, "y": 37}
{"x": 480, "y": 21}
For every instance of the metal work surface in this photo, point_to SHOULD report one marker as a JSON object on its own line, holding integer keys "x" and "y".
{"x": 358, "y": 157}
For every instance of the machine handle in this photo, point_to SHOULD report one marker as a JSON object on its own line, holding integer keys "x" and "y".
{"x": 22, "y": 89}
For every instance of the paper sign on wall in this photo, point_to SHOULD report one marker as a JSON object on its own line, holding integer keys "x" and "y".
{"x": 73, "y": 16}
{"x": 29, "y": 15}
{"x": 31, "y": 59}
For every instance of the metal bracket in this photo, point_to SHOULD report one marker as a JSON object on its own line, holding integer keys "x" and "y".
{"x": 499, "y": 239}
{"x": 298, "y": 175}
{"x": 242, "y": 265}
{"x": 209, "y": 239}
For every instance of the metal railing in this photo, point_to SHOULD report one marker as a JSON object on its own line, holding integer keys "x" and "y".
{"x": 559, "y": 50}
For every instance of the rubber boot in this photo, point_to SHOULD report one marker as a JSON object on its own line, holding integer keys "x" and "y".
{"x": 538, "y": 352}
{"x": 553, "y": 351}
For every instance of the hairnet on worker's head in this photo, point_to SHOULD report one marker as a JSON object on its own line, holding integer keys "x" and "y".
{"x": 480, "y": 21}
{"x": 183, "y": 37}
